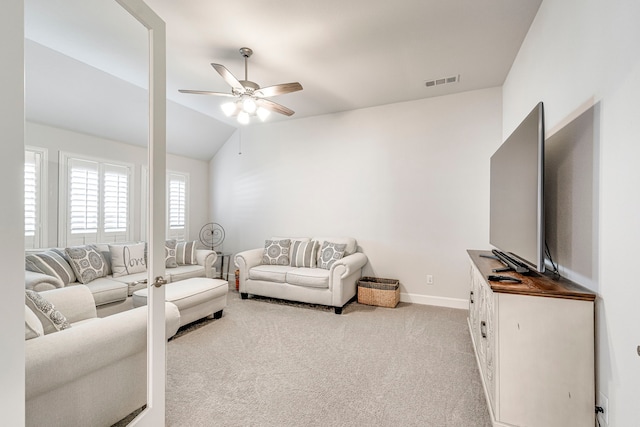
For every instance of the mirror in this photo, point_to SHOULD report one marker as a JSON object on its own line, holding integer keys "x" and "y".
{"x": 86, "y": 133}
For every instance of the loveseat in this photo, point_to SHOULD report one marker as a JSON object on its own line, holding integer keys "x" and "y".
{"x": 112, "y": 272}
{"x": 91, "y": 372}
{"x": 322, "y": 270}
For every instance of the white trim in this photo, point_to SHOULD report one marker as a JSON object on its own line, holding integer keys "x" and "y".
{"x": 462, "y": 304}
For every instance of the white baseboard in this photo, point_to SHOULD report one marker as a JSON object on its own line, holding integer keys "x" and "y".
{"x": 437, "y": 301}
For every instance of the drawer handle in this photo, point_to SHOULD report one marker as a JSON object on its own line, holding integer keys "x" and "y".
{"x": 483, "y": 329}
{"x": 471, "y": 296}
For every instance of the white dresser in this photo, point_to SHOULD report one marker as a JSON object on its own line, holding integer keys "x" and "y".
{"x": 534, "y": 343}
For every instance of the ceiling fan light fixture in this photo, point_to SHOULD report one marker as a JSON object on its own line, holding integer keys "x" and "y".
{"x": 228, "y": 108}
{"x": 262, "y": 113}
{"x": 249, "y": 105}
{"x": 243, "y": 118}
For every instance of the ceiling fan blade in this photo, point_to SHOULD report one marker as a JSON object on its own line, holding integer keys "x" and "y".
{"x": 275, "y": 107}
{"x": 206, "y": 92}
{"x": 228, "y": 77}
{"x": 280, "y": 89}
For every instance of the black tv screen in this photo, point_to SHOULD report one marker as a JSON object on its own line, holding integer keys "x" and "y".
{"x": 517, "y": 193}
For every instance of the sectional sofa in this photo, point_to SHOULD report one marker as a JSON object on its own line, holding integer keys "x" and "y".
{"x": 112, "y": 272}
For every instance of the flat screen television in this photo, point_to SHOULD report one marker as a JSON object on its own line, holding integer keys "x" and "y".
{"x": 517, "y": 195}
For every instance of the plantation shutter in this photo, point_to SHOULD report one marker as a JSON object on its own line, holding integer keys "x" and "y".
{"x": 83, "y": 201}
{"x": 177, "y": 206}
{"x": 116, "y": 198}
{"x": 97, "y": 199}
{"x": 32, "y": 198}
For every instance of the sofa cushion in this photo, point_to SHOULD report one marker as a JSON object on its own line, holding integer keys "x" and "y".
{"x": 309, "y": 277}
{"x": 270, "y": 273}
{"x": 52, "y": 263}
{"x": 186, "y": 253}
{"x": 52, "y": 320}
{"x": 128, "y": 259}
{"x": 303, "y": 254}
{"x": 133, "y": 281}
{"x": 32, "y": 325}
{"x": 276, "y": 252}
{"x": 183, "y": 272}
{"x": 170, "y": 260}
{"x": 330, "y": 253}
{"x": 87, "y": 262}
{"x": 106, "y": 290}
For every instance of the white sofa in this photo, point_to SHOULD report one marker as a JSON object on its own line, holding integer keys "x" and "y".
{"x": 93, "y": 373}
{"x": 333, "y": 287}
{"x": 110, "y": 292}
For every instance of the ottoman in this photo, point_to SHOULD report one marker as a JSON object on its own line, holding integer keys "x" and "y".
{"x": 195, "y": 298}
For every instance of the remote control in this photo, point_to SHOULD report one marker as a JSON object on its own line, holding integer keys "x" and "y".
{"x": 496, "y": 278}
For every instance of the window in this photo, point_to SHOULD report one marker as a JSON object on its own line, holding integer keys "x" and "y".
{"x": 177, "y": 204}
{"x": 95, "y": 201}
{"x": 34, "y": 197}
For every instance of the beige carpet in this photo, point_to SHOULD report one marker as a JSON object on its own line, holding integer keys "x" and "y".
{"x": 268, "y": 363}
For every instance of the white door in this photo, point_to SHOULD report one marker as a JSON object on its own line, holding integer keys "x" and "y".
{"x": 47, "y": 24}
{"x": 154, "y": 414}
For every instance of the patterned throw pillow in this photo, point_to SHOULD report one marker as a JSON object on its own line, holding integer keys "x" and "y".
{"x": 303, "y": 254}
{"x": 330, "y": 253}
{"x": 128, "y": 259}
{"x": 52, "y": 263}
{"x": 170, "y": 254}
{"x": 276, "y": 252}
{"x": 87, "y": 262}
{"x": 186, "y": 253}
{"x": 52, "y": 320}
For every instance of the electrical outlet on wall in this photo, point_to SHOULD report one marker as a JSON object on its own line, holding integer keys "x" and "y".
{"x": 429, "y": 279}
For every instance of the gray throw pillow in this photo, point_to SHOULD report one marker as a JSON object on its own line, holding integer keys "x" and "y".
{"x": 52, "y": 263}
{"x": 186, "y": 253}
{"x": 303, "y": 254}
{"x": 87, "y": 262}
{"x": 52, "y": 320}
{"x": 330, "y": 253}
{"x": 276, "y": 252}
{"x": 170, "y": 254}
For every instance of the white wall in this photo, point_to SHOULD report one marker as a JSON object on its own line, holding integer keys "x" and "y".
{"x": 409, "y": 181}
{"x": 56, "y": 140}
{"x": 12, "y": 212}
{"x": 578, "y": 54}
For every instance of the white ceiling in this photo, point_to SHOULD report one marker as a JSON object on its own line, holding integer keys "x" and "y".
{"x": 346, "y": 54}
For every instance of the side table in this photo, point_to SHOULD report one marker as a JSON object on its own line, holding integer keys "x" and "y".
{"x": 223, "y": 256}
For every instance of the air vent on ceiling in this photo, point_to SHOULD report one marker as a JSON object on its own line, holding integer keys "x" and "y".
{"x": 442, "y": 81}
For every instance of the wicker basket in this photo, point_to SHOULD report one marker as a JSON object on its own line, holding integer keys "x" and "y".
{"x": 378, "y": 291}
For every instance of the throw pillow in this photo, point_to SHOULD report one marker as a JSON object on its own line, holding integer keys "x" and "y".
{"x": 276, "y": 252}
{"x": 87, "y": 262}
{"x": 186, "y": 253}
{"x": 303, "y": 254}
{"x": 330, "y": 253}
{"x": 52, "y": 263}
{"x": 170, "y": 260}
{"x": 52, "y": 320}
{"x": 32, "y": 326}
{"x": 128, "y": 259}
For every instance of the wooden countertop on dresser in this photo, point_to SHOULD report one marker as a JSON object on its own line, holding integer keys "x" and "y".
{"x": 534, "y": 283}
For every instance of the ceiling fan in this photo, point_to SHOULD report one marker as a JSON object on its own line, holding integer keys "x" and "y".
{"x": 251, "y": 98}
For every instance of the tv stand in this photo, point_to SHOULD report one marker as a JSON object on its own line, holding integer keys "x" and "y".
{"x": 510, "y": 263}
{"x": 533, "y": 342}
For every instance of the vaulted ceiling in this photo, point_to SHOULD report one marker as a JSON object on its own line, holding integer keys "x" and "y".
{"x": 86, "y": 61}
